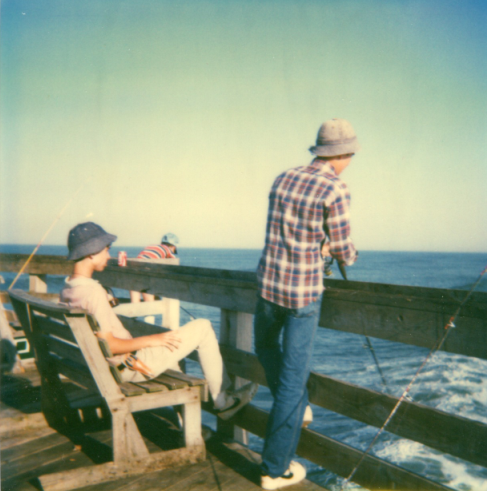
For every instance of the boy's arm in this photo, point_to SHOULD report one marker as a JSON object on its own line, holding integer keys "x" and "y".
{"x": 118, "y": 338}
{"x": 169, "y": 339}
{"x": 337, "y": 227}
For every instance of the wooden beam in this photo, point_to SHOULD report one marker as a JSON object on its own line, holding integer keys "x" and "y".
{"x": 48, "y": 264}
{"x": 413, "y": 315}
{"x": 340, "y": 458}
{"x": 92, "y": 475}
{"x": 414, "y": 421}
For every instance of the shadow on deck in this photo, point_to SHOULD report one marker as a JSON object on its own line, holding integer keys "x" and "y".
{"x": 30, "y": 449}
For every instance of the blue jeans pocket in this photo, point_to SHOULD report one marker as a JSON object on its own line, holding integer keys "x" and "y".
{"x": 312, "y": 309}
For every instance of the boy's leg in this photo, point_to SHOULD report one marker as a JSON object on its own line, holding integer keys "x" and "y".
{"x": 195, "y": 335}
{"x": 291, "y": 397}
{"x": 268, "y": 322}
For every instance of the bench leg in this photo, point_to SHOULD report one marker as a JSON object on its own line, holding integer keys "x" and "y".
{"x": 128, "y": 444}
{"x": 192, "y": 424}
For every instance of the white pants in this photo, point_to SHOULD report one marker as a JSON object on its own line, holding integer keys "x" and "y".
{"x": 195, "y": 335}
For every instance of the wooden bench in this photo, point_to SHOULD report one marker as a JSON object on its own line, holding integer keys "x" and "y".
{"x": 67, "y": 351}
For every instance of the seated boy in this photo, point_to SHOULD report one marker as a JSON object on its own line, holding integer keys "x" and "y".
{"x": 89, "y": 246}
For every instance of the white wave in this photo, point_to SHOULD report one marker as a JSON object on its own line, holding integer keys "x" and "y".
{"x": 451, "y": 471}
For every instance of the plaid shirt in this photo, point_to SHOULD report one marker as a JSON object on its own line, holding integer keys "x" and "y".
{"x": 303, "y": 203}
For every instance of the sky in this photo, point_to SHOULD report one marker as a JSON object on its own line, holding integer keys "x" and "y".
{"x": 156, "y": 116}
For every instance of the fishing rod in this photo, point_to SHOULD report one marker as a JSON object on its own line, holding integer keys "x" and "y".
{"x": 368, "y": 343}
{"x": 46, "y": 234}
{"x": 449, "y": 325}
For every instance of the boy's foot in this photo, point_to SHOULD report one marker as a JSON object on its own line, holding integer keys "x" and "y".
{"x": 308, "y": 416}
{"x": 238, "y": 399}
{"x": 294, "y": 474}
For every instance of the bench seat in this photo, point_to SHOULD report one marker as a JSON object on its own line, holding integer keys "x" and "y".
{"x": 67, "y": 350}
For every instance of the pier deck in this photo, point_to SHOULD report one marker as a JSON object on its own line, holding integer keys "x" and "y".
{"x": 29, "y": 448}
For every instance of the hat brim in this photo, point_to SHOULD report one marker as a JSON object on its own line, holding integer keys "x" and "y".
{"x": 336, "y": 149}
{"x": 92, "y": 246}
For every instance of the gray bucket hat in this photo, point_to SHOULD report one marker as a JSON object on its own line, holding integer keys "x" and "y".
{"x": 170, "y": 238}
{"x": 335, "y": 137}
{"x": 87, "y": 239}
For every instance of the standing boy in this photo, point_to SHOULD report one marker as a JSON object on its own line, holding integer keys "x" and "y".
{"x": 304, "y": 202}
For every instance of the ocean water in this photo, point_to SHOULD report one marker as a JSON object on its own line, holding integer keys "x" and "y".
{"x": 452, "y": 383}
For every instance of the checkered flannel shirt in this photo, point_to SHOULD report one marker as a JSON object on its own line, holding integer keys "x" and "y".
{"x": 301, "y": 201}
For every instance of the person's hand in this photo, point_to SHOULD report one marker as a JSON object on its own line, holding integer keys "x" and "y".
{"x": 169, "y": 339}
{"x": 325, "y": 250}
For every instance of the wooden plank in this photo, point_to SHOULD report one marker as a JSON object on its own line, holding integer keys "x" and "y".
{"x": 5, "y": 299}
{"x": 63, "y": 349}
{"x": 131, "y": 389}
{"x": 55, "y": 327}
{"x": 50, "y": 264}
{"x": 57, "y": 311}
{"x": 151, "y": 386}
{"x": 192, "y": 381}
{"x": 187, "y": 378}
{"x": 432, "y": 427}
{"x": 108, "y": 471}
{"x": 11, "y": 316}
{"x": 38, "y": 283}
{"x": 420, "y": 323}
{"x": 97, "y": 363}
{"x": 340, "y": 458}
{"x": 171, "y": 382}
{"x": 236, "y": 330}
{"x": 150, "y": 401}
{"x": 398, "y": 313}
{"x": 236, "y": 297}
{"x": 75, "y": 372}
{"x": 31, "y": 447}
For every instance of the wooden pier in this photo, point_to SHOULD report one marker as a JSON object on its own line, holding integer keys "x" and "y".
{"x": 409, "y": 315}
{"x": 30, "y": 448}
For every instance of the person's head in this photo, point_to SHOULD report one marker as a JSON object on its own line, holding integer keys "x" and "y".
{"x": 337, "y": 143}
{"x": 92, "y": 242}
{"x": 171, "y": 240}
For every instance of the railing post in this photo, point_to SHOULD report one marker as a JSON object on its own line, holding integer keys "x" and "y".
{"x": 38, "y": 283}
{"x": 170, "y": 313}
{"x": 235, "y": 331}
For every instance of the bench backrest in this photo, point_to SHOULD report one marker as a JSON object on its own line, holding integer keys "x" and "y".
{"x": 65, "y": 344}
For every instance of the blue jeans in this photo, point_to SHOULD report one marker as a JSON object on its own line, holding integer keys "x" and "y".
{"x": 287, "y": 366}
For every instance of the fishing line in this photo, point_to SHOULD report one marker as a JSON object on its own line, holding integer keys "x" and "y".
{"x": 46, "y": 234}
{"x": 436, "y": 347}
{"x": 368, "y": 343}
{"x": 188, "y": 313}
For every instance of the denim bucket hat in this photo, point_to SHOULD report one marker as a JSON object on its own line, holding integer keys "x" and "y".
{"x": 87, "y": 239}
{"x": 170, "y": 238}
{"x": 335, "y": 137}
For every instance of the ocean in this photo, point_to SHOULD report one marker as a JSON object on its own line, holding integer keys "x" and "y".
{"x": 452, "y": 383}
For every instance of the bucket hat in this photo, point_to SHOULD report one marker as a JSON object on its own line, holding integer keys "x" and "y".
{"x": 170, "y": 238}
{"x": 335, "y": 137}
{"x": 87, "y": 239}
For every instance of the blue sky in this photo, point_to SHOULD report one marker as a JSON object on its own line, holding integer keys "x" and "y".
{"x": 177, "y": 116}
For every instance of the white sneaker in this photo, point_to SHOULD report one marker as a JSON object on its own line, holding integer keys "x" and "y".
{"x": 294, "y": 474}
{"x": 308, "y": 416}
{"x": 240, "y": 398}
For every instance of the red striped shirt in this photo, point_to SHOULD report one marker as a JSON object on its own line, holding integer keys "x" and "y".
{"x": 156, "y": 252}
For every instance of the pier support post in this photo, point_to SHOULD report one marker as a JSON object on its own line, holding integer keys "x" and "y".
{"x": 38, "y": 283}
{"x": 235, "y": 331}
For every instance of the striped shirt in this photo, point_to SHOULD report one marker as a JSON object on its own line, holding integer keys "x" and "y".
{"x": 157, "y": 252}
{"x": 303, "y": 203}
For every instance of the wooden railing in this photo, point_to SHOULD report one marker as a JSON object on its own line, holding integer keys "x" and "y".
{"x": 412, "y": 315}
